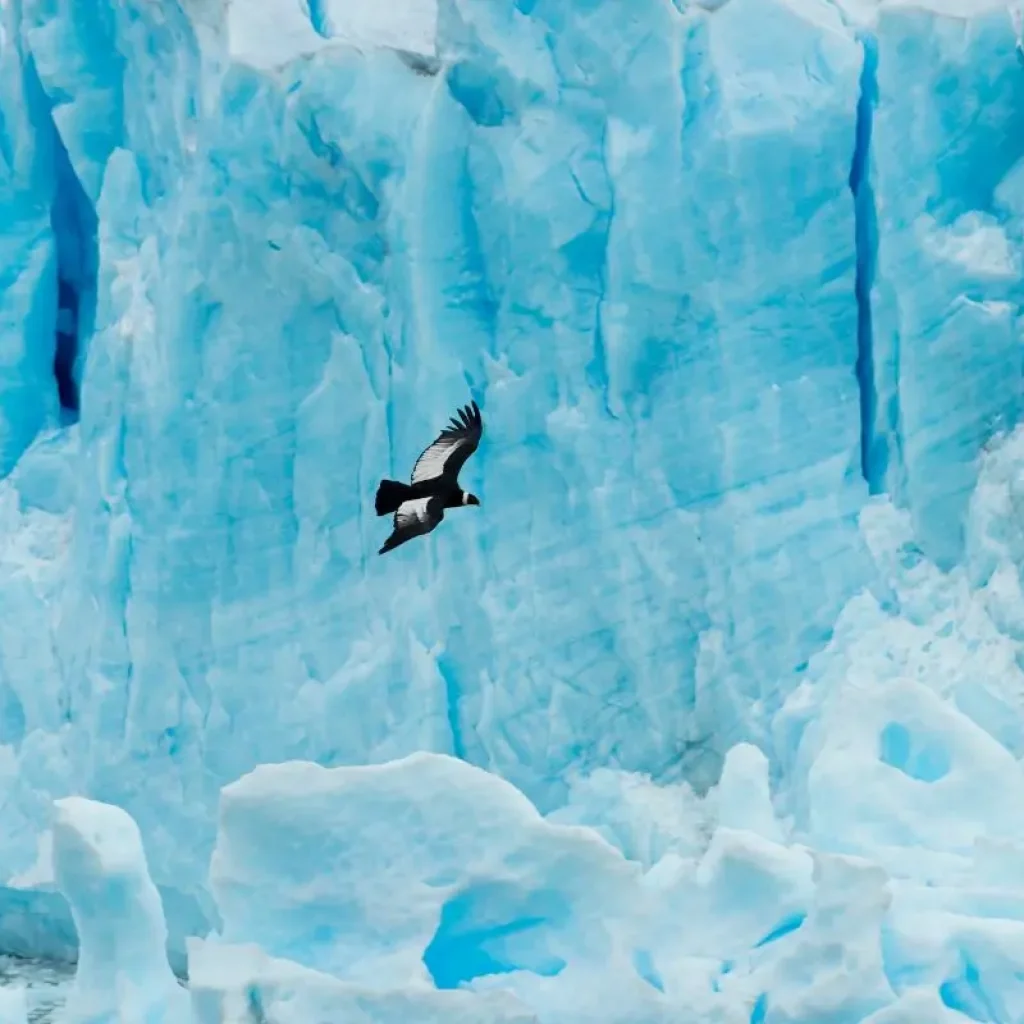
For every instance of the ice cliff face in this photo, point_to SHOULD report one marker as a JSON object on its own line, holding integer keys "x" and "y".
{"x": 714, "y": 276}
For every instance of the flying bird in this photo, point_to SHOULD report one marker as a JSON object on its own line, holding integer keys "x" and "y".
{"x": 419, "y": 505}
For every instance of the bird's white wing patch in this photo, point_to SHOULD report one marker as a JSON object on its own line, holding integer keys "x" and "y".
{"x": 411, "y": 512}
{"x": 430, "y": 465}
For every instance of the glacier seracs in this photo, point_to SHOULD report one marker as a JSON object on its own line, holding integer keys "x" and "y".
{"x": 100, "y": 867}
{"x": 738, "y": 289}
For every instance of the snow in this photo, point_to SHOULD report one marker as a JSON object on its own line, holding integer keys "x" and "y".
{"x": 714, "y": 710}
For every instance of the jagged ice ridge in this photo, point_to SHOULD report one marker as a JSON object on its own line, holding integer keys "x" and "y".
{"x": 721, "y": 694}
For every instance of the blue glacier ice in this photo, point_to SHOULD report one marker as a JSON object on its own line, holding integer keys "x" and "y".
{"x": 122, "y": 970}
{"x": 715, "y": 711}
{"x": 945, "y": 225}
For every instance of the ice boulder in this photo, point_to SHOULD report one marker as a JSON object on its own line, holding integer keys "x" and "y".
{"x": 240, "y": 984}
{"x": 897, "y": 765}
{"x": 902, "y": 741}
{"x": 745, "y": 892}
{"x": 832, "y": 969}
{"x": 427, "y": 874}
{"x": 100, "y": 866}
{"x": 418, "y": 868}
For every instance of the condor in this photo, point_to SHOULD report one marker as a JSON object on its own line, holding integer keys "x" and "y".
{"x": 419, "y": 505}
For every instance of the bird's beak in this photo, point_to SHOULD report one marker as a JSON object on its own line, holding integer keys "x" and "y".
{"x": 474, "y": 500}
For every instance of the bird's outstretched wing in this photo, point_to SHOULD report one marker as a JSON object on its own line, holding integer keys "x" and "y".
{"x": 448, "y": 454}
{"x": 413, "y": 519}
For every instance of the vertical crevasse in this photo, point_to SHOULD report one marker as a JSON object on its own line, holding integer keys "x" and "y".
{"x": 73, "y": 228}
{"x": 74, "y": 224}
{"x": 873, "y": 447}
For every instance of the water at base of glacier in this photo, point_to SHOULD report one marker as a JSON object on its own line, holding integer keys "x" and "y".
{"x": 44, "y": 984}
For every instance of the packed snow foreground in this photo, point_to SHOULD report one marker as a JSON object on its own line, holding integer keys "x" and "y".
{"x": 715, "y": 713}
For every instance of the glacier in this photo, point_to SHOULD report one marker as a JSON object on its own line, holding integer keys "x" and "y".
{"x": 715, "y": 711}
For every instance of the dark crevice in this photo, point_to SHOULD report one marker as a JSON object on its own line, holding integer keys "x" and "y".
{"x": 66, "y": 349}
{"x": 74, "y": 225}
{"x": 872, "y": 446}
{"x": 73, "y": 219}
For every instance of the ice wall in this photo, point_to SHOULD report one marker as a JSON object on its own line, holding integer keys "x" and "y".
{"x": 673, "y": 254}
{"x": 29, "y": 249}
{"x": 944, "y": 244}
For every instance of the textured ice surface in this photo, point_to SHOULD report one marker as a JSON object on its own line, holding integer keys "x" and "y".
{"x": 31, "y": 166}
{"x": 43, "y": 987}
{"x": 426, "y": 889}
{"x": 714, "y": 273}
{"x": 273, "y": 32}
{"x": 235, "y": 984}
{"x": 946, "y": 177}
{"x": 879, "y": 879}
{"x": 300, "y": 271}
{"x": 122, "y": 971}
{"x": 13, "y": 1006}
{"x": 390, "y": 906}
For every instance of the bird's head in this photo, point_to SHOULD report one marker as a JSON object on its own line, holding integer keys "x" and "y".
{"x": 470, "y": 499}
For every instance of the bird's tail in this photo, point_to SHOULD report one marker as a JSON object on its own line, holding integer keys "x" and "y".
{"x": 391, "y": 494}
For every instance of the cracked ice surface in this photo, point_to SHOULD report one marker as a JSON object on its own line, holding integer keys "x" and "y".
{"x": 272, "y": 33}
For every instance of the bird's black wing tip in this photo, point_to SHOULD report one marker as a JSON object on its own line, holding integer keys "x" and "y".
{"x": 470, "y": 415}
{"x": 467, "y": 418}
